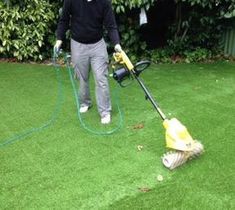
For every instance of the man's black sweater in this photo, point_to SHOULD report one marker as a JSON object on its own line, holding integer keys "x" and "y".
{"x": 86, "y": 20}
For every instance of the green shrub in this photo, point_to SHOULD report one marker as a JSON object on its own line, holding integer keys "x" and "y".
{"x": 26, "y": 28}
{"x": 198, "y": 55}
{"x": 166, "y": 55}
{"x": 121, "y": 6}
{"x": 161, "y": 55}
{"x": 198, "y": 24}
{"x": 130, "y": 37}
{"x": 128, "y": 21}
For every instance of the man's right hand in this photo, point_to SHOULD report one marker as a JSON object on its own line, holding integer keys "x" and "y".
{"x": 57, "y": 46}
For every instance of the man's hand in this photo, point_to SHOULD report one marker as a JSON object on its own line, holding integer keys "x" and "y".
{"x": 118, "y": 48}
{"x": 57, "y": 46}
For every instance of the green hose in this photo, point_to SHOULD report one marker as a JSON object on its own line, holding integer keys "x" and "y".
{"x": 51, "y": 121}
{"x": 57, "y": 109}
{"x": 75, "y": 92}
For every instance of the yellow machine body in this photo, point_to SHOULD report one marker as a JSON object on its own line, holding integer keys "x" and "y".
{"x": 122, "y": 58}
{"x": 177, "y": 135}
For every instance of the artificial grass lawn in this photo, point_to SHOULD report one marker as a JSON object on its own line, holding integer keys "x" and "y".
{"x": 59, "y": 165}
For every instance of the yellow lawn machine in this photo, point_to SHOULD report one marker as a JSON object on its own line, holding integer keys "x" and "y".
{"x": 177, "y": 136}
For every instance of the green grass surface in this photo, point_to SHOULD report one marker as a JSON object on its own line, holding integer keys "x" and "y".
{"x": 62, "y": 166}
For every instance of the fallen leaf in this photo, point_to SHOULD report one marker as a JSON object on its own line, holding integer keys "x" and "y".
{"x": 139, "y": 126}
{"x": 140, "y": 147}
{"x": 144, "y": 189}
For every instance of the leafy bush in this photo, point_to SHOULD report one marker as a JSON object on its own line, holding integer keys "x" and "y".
{"x": 198, "y": 55}
{"x": 130, "y": 37}
{"x": 166, "y": 55}
{"x": 161, "y": 55}
{"x": 198, "y": 24}
{"x": 123, "y": 5}
{"x": 128, "y": 21}
{"x": 26, "y": 28}
{"x": 194, "y": 36}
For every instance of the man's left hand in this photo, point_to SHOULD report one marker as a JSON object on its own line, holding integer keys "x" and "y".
{"x": 118, "y": 48}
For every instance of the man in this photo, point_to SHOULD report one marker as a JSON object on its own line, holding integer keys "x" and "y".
{"x": 86, "y": 20}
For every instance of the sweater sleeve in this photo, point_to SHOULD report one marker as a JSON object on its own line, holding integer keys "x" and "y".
{"x": 110, "y": 23}
{"x": 64, "y": 20}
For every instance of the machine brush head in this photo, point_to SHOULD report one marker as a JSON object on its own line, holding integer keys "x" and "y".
{"x": 173, "y": 159}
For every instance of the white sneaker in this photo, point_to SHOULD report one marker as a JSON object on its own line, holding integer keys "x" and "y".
{"x": 83, "y": 109}
{"x": 106, "y": 119}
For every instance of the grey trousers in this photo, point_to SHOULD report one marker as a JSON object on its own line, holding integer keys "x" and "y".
{"x": 95, "y": 56}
